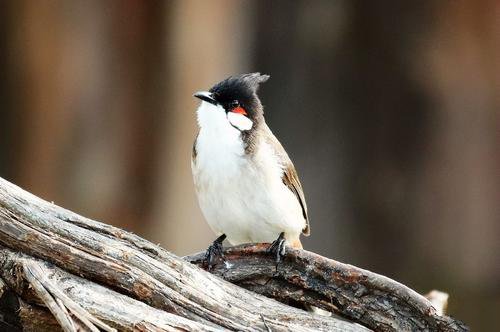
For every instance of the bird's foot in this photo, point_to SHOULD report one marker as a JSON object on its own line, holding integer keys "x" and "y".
{"x": 277, "y": 248}
{"x": 214, "y": 252}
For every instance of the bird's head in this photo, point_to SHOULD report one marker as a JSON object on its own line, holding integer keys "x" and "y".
{"x": 233, "y": 101}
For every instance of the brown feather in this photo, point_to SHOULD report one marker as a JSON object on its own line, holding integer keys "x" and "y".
{"x": 291, "y": 180}
{"x": 290, "y": 177}
{"x": 194, "y": 153}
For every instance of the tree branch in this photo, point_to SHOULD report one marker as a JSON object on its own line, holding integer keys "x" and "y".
{"x": 307, "y": 278}
{"x": 105, "y": 275}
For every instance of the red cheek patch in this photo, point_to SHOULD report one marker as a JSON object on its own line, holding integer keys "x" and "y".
{"x": 239, "y": 110}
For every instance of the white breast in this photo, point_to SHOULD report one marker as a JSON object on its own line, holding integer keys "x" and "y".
{"x": 241, "y": 196}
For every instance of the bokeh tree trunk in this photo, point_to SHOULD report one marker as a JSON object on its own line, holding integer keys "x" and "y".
{"x": 392, "y": 117}
{"x": 85, "y": 113}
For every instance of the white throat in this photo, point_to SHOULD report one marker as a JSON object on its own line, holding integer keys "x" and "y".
{"x": 214, "y": 117}
{"x": 219, "y": 145}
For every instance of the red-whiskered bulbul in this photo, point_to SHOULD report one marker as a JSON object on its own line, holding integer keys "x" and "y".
{"x": 247, "y": 186}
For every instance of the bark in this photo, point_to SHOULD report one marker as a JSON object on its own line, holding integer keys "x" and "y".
{"x": 92, "y": 276}
{"x": 307, "y": 278}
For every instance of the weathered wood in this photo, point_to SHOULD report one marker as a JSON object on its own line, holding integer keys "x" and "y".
{"x": 141, "y": 270}
{"x": 60, "y": 315}
{"x": 118, "y": 310}
{"x": 305, "y": 277}
{"x": 35, "y": 274}
{"x": 162, "y": 292}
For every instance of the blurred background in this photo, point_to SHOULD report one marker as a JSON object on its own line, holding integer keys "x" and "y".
{"x": 390, "y": 111}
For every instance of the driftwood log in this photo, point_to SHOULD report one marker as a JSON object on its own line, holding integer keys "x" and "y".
{"x": 61, "y": 271}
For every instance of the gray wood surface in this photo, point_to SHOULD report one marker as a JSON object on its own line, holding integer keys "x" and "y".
{"x": 97, "y": 276}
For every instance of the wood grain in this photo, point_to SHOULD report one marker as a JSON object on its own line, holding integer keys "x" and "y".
{"x": 134, "y": 285}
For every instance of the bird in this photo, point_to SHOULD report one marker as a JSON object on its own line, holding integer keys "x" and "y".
{"x": 247, "y": 187}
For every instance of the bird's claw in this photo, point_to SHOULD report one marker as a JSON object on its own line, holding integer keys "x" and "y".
{"x": 277, "y": 248}
{"x": 214, "y": 252}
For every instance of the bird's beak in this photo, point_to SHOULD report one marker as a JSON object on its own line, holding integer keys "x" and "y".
{"x": 206, "y": 96}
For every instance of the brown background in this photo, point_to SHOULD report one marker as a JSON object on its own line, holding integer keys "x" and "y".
{"x": 390, "y": 111}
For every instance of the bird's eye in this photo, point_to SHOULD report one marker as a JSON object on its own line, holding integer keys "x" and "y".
{"x": 237, "y": 108}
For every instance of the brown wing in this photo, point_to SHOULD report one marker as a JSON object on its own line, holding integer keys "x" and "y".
{"x": 291, "y": 180}
{"x": 290, "y": 177}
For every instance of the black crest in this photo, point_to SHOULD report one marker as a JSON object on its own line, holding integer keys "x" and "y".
{"x": 242, "y": 89}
